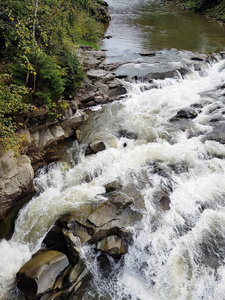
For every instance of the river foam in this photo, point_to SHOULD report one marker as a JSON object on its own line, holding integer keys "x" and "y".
{"x": 177, "y": 253}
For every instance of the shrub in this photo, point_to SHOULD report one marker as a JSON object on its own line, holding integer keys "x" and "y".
{"x": 11, "y": 102}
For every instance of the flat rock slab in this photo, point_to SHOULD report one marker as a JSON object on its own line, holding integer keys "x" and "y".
{"x": 97, "y": 74}
{"x": 110, "y": 209}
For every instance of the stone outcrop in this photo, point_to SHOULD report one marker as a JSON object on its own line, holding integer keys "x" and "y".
{"x": 39, "y": 274}
{"x": 16, "y": 180}
{"x": 41, "y": 133}
{"x": 102, "y": 228}
{"x": 101, "y": 85}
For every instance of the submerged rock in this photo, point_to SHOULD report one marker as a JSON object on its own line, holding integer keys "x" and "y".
{"x": 184, "y": 114}
{"x": 217, "y": 134}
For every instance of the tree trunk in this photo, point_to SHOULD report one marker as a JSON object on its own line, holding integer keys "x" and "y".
{"x": 34, "y": 34}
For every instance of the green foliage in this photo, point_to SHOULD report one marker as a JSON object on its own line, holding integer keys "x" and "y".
{"x": 73, "y": 72}
{"x": 215, "y": 9}
{"x": 50, "y": 82}
{"x": 11, "y": 102}
{"x": 38, "y": 41}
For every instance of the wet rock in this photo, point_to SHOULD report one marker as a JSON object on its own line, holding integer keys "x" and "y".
{"x": 76, "y": 290}
{"x": 56, "y": 240}
{"x": 110, "y": 209}
{"x": 147, "y": 53}
{"x": 39, "y": 274}
{"x": 127, "y": 134}
{"x": 102, "y": 227}
{"x": 73, "y": 122}
{"x": 113, "y": 245}
{"x": 95, "y": 146}
{"x": 184, "y": 114}
{"x": 217, "y": 133}
{"x": 112, "y": 186}
{"x": 164, "y": 200}
{"x": 16, "y": 180}
{"x": 116, "y": 89}
{"x": 134, "y": 192}
{"x": 179, "y": 168}
{"x": 166, "y": 74}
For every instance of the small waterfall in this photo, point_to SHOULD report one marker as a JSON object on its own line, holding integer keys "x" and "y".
{"x": 178, "y": 252}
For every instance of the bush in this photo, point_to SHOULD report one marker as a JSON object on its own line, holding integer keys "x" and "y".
{"x": 11, "y": 102}
{"x": 73, "y": 72}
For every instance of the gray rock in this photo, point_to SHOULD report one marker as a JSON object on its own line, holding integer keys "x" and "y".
{"x": 164, "y": 201}
{"x": 73, "y": 122}
{"x": 112, "y": 186}
{"x": 16, "y": 180}
{"x": 95, "y": 147}
{"x": 113, "y": 245}
{"x": 184, "y": 114}
{"x": 116, "y": 89}
{"x": 86, "y": 96}
{"x": 217, "y": 133}
{"x": 39, "y": 274}
{"x": 166, "y": 74}
{"x": 110, "y": 209}
{"x": 97, "y": 74}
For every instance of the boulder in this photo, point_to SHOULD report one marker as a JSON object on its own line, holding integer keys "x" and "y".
{"x": 112, "y": 186}
{"x": 116, "y": 89}
{"x": 184, "y": 114}
{"x": 39, "y": 274}
{"x": 71, "y": 123}
{"x": 110, "y": 209}
{"x": 113, "y": 245}
{"x": 16, "y": 180}
{"x": 87, "y": 96}
{"x": 95, "y": 147}
{"x": 102, "y": 227}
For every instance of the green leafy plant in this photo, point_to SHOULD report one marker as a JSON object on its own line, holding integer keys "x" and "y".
{"x": 11, "y": 102}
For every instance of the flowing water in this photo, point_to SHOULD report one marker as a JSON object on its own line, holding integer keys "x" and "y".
{"x": 177, "y": 253}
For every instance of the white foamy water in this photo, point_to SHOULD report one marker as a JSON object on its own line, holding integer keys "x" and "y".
{"x": 176, "y": 254}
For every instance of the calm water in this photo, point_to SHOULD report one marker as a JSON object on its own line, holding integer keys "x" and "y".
{"x": 147, "y": 25}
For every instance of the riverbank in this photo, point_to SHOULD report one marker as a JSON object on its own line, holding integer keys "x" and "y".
{"x": 214, "y": 9}
{"x": 43, "y": 128}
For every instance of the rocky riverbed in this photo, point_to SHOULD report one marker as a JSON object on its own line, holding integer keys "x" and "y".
{"x": 41, "y": 136}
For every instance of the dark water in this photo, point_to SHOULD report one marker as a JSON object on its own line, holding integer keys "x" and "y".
{"x": 148, "y": 25}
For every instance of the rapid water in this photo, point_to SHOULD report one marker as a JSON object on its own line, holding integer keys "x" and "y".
{"x": 178, "y": 253}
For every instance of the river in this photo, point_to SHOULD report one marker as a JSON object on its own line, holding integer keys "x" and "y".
{"x": 178, "y": 252}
